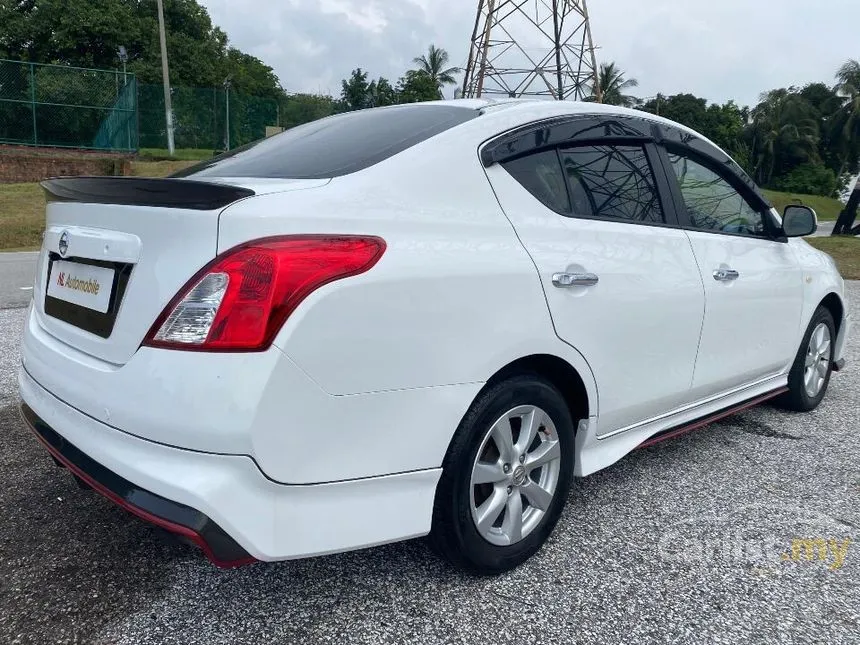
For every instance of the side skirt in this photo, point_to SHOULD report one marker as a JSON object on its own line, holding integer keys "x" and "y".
{"x": 671, "y": 433}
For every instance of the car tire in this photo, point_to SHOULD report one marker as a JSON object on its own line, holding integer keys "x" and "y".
{"x": 805, "y": 388}
{"x": 531, "y": 405}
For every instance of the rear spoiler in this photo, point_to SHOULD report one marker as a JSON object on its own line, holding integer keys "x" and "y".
{"x": 143, "y": 191}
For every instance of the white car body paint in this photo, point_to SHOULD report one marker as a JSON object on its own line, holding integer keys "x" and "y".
{"x": 732, "y": 347}
{"x": 647, "y": 274}
{"x": 348, "y": 415}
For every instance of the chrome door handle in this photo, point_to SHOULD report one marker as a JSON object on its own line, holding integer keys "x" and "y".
{"x": 726, "y": 275}
{"x": 562, "y": 280}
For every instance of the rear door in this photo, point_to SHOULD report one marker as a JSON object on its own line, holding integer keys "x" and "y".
{"x": 753, "y": 284}
{"x": 619, "y": 275}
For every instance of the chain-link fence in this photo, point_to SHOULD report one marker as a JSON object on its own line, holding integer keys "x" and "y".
{"x": 55, "y": 105}
{"x": 200, "y": 117}
{"x": 70, "y": 107}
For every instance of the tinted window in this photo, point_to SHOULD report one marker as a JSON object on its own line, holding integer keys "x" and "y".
{"x": 564, "y": 131}
{"x": 337, "y": 145}
{"x": 541, "y": 175}
{"x": 717, "y": 157}
{"x": 612, "y": 182}
{"x": 712, "y": 203}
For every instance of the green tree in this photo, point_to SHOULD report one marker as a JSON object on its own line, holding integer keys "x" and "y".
{"x": 824, "y": 103}
{"x": 613, "y": 84}
{"x": 808, "y": 178}
{"x": 845, "y": 124}
{"x": 72, "y": 32}
{"x": 722, "y": 124}
{"x": 249, "y": 75}
{"x": 725, "y": 126}
{"x": 355, "y": 91}
{"x": 848, "y": 77}
{"x": 88, "y": 33}
{"x": 381, "y": 93}
{"x": 433, "y": 64}
{"x": 416, "y": 86}
{"x": 303, "y": 108}
{"x": 686, "y": 109}
{"x": 784, "y": 134}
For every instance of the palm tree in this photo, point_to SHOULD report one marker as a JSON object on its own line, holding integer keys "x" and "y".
{"x": 784, "y": 133}
{"x": 611, "y": 82}
{"x": 849, "y": 79}
{"x": 846, "y": 122}
{"x": 433, "y": 64}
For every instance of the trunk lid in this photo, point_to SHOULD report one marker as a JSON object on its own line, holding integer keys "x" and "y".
{"x": 116, "y": 250}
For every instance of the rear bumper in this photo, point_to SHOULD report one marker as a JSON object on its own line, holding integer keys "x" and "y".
{"x": 177, "y": 518}
{"x": 225, "y": 503}
{"x": 260, "y": 405}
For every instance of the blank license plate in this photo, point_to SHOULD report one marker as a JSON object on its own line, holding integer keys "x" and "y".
{"x": 82, "y": 284}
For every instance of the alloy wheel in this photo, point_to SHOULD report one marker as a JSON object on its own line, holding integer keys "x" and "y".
{"x": 817, "y": 361}
{"x": 514, "y": 475}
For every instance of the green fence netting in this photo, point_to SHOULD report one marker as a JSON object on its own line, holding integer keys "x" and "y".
{"x": 55, "y": 105}
{"x": 200, "y": 117}
{"x": 71, "y": 107}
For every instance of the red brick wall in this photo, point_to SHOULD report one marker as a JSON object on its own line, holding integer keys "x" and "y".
{"x": 23, "y": 164}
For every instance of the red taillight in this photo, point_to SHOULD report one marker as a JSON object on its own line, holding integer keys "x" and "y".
{"x": 240, "y": 300}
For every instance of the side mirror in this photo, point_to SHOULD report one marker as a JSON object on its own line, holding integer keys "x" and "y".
{"x": 799, "y": 221}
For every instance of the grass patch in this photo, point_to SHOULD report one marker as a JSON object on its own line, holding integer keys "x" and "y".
{"x": 180, "y": 154}
{"x": 158, "y": 168}
{"x": 845, "y": 250}
{"x": 826, "y": 208}
{"x": 22, "y": 216}
{"x": 22, "y": 206}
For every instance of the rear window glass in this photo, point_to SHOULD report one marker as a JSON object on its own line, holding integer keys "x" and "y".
{"x": 335, "y": 146}
{"x": 612, "y": 181}
{"x": 540, "y": 174}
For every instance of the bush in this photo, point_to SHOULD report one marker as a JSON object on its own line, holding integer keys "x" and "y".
{"x": 809, "y": 178}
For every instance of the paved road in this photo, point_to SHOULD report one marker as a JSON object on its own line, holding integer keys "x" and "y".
{"x": 689, "y": 541}
{"x": 824, "y": 229}
{"x": 16, "y": 278}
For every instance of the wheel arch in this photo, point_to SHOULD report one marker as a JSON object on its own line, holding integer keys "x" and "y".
{"x": 833, "y": 303}
{"x": 563, "y": 376}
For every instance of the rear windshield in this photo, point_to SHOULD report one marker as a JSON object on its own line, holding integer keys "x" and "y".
{"x": 335, "y": 146}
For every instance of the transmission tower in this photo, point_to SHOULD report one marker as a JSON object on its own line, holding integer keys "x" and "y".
{"x": 531, "y": 48}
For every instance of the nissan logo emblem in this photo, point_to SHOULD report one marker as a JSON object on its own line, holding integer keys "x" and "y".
{"x": 63, "y": 246}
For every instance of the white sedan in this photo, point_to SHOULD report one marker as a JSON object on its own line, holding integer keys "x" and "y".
{"x": 414, "y": 320}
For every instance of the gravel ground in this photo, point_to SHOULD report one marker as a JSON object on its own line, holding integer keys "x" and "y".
{"x": 687, "y": 541}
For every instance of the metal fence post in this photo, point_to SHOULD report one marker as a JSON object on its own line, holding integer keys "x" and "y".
{"x": 136, "y": 114}
{"x": 129, "y": 101}
{"x": 227, "y": 118}
{"x": 214, "y": 140}
{"x": 33, "y": 101}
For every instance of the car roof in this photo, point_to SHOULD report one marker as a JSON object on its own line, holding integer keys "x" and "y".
{"x": 535, "y": 109}
{"x": 535, "y": 105}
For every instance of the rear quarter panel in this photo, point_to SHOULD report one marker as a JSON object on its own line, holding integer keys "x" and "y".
{"x": 454, "y": 298}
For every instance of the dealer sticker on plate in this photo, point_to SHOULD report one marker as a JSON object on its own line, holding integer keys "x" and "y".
{"x": 82, "y": 284}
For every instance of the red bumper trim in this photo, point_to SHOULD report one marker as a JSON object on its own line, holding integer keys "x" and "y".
{"x": 72, "y": 458}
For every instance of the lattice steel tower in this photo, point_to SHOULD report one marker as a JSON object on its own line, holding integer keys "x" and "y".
{"x": 531, "y": 48}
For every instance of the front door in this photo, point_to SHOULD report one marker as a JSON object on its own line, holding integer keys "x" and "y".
{"x": 621, "y": 283}
{"x": 753, "y": 285}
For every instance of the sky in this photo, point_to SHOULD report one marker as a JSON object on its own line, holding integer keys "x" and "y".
{"x": 717, "y": 49}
